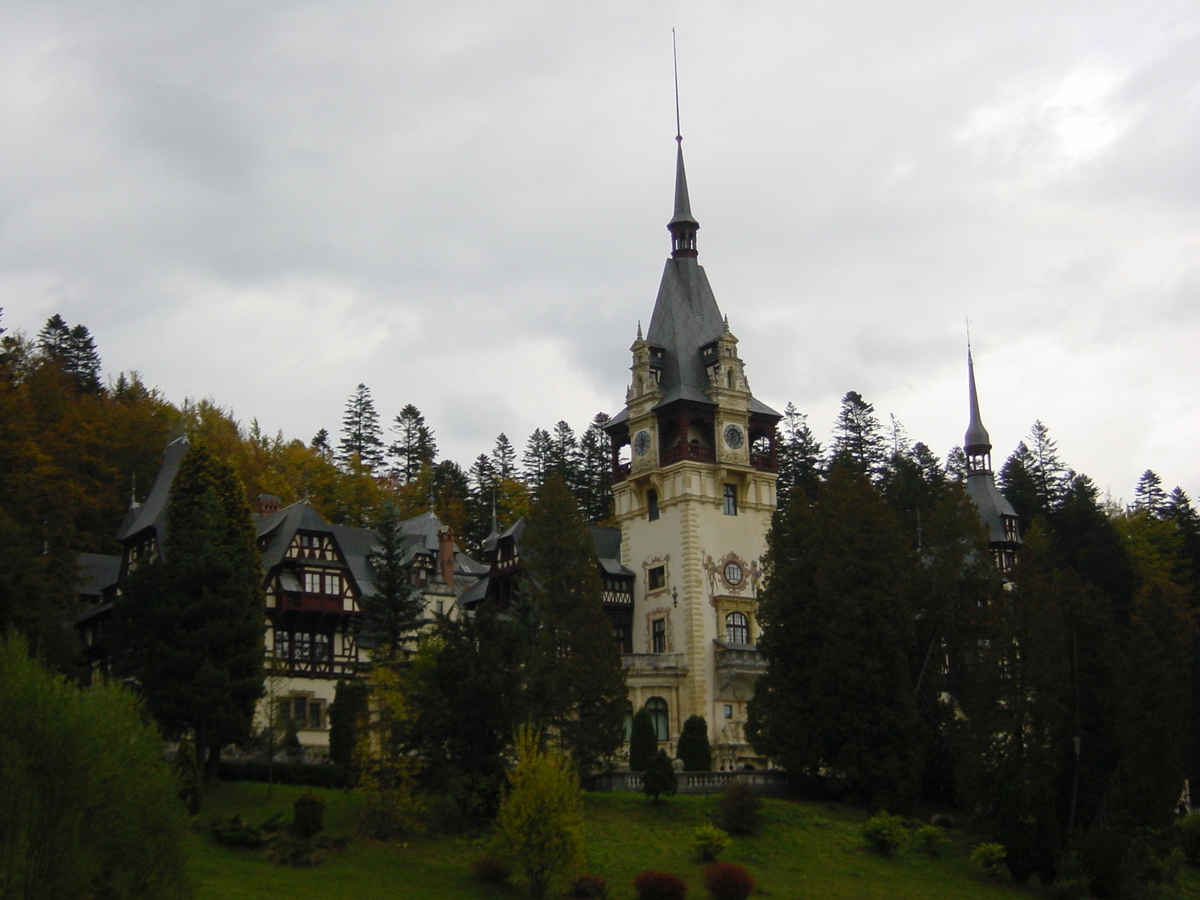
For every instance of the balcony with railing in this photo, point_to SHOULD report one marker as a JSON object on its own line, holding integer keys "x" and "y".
{"x": 635, "y": 663}
{"x": 740, "y": 659}
{"x": 686, "y": 451}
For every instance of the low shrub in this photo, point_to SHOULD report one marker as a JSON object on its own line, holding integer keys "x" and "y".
{"x": 236, "y": 832}
{"x": 1070, "y": 882}
{"x": 709, "y": 842}
{"x": 652, "y": 885}
{"x": 304, "y": 774}
{"x": 590, "y": 887}
{"x": 988, "y": 858}
{"x": 727, "y": 881}
{"x": 928, "y": 839}
{"x": 884, "y": 833}
{"x": 491, "y": 870}
{"x": 291, "y": 850}
{"x": 738, "y": 810}
{"x": 308, "y": 815}
{"x": 1187, "y": 831}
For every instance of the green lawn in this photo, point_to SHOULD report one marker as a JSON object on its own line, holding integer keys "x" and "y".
{"x": 805, "y": 851}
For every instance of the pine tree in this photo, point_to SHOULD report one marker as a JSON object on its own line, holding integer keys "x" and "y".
{"x": 538, "y": 459}
{"x": 1019, "y": 486}
{"x": 54, "y": 340}
{"x": 956, "y": 464}
{"x": 1149, "y": 495}
{"x": 414, "y": 446}
{"x": 595, "y": 471}
{"x": 799, "y": 455}
{"x": 837, "y": 636}
{"x": 361, "y": 447}
{"x": 83, "y": 362}
{"x": 857, "y": 436}
{"x": 394, "y": 611}
{"x": 1050, "y": 476}
{"x": 189, "y": 629}
{"x": 504, "y": 458}
{"x": 320, "y": 443}
{"x": 577, "y": 685}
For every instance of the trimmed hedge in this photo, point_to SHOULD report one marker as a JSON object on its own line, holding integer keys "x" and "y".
{"x": 307, "y": 774}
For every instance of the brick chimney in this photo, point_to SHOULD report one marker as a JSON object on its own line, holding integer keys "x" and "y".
{"x": 446, "y": 554}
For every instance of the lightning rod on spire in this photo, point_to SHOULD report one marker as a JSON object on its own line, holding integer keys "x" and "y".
{"x": 675, "y": 64}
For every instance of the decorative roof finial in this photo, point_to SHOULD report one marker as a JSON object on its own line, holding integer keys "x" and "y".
{"x": 639, "y": 337}
{"x": 977, "y": 440}
{"x": 675, "y": 64}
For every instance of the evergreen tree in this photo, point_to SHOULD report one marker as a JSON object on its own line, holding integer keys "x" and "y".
{"x": 54, "y": 340}
{"x": 504, "y": 458}
{"x": 361, "y": 447}
{"x": 643, "y": 742}
{"x": 189, "y": 628}
{"x": 577, "y": 685}
{"x": 1019, "y": 486}
{"x": 595, "y": 472}
{"x": 346, "y": 713}
{"x": 320, "y": 443}
{"x": 659, "y": 777}
{"x": 799, "y": 455}
{"x": 956, "y": 464}
{"x": 83, "y": 362}
{"x": 837, "y": 636}
{"x": 414, "y": 446}
{"x": 538, "y": 459}
{"x": 1050, "y": 476}
{"x": 1149, "y": 495}
{"x": 857, "y": 437}
{"x": 693, "y": 747}
{"x": 394, "y": 611}
{"x": 564, "y": 452}
{"x": 468, "y": 699}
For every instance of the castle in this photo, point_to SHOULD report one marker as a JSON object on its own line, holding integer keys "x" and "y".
{"x": 694, "y": 484}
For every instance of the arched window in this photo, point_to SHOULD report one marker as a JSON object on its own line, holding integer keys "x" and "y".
{"x": 737, "y": 628}
{"x": 657, "y": 708}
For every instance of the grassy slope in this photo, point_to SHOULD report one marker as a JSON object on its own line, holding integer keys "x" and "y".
{"x": 804, "y": 851}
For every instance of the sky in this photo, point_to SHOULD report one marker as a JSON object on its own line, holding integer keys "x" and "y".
{"x": 462, "y": 205}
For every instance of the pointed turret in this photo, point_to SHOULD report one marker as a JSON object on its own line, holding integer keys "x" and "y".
{"x": 996, "y": 513}
{"x": 977, "y": 444}
{"x": 683, "y": 226}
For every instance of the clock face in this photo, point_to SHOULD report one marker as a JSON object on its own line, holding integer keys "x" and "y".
{"x": 733, "y": 436}
{"x": 733, "y": 574}
{"x": 641, "y": 442}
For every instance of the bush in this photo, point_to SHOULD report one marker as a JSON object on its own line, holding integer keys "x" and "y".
{"x": 1187, "y": 832}
{"x": 928, "y": 839}
{"x": 290, "y": 850}
{"x": 540, "y": 823}
{"x": 726, "y": 881}
{"x": 652, "y": 885}
{"x": 738, "y": 811}
{"x": 590, "y": 887}
{"x": 1070, "y": 882}
{"x": 693, "y": 750}
{"x": 885, "y": 834}
{"x": 308, "y": 815}
{"x": 89, "y": 805}
{"x": 643, "y": 742}
{"x": 491, "y": 870}
{"x": 988, "y": 858}
{"x": 709, "y": 841}
{"x": 237, "y": 833}
{"x": 659, "y": 777}
{"x": 187, "y": 770}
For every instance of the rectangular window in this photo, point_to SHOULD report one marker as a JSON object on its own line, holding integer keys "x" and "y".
{"x": 729, "y": 710}
{"x": 730, "y": 500}
{"x": 441, "y": 607}
{"x": 658, "y": 636}
{"x": 312, "y": 582}
{"x": 333, "y": 585}
{"x": 657, "y": 577}
{"x": 316, "y": 714}
{"x": 652, "y": 505}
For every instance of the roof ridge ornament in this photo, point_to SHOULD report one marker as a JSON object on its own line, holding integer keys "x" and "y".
{"x": 683, "y": 225}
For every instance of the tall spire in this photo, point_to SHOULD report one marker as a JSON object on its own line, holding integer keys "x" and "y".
{"x": 977, "y": 441}
{"x": 683, "y": 225}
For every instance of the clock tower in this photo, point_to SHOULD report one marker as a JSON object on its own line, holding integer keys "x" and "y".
{"x": 694, "y": 462}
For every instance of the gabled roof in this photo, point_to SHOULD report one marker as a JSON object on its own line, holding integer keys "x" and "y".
{"x": 992, "y": 504}
{"x": 153, "y": 511}
{"x": 282, "y": 525}
{"x": 607, "y": 542}
{"x": 97, "y": 571}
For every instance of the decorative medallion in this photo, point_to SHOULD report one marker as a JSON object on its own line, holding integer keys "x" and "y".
{"x": 733, "y": 574}
{"x": 733, "y": 437}
{"x": 641, "y": 442}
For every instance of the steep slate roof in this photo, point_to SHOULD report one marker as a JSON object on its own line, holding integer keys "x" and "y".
{"x": 97, "y": 571}
{"x": 685, "y": 318}
{"x": 153, "y": 511}
{"x": 285, "y": 523}
{"x": 607, "y": 542}
{"x": 991, "y": 504}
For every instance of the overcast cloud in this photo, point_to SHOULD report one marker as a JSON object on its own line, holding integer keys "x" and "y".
{"x": 463, "y": 205}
